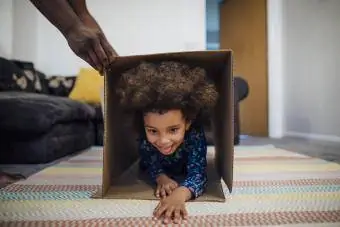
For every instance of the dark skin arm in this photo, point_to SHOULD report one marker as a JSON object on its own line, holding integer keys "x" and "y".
{"x": 59, "y": 13}
{"x": 81, "y": 10}
{"x": 82, "y": 32}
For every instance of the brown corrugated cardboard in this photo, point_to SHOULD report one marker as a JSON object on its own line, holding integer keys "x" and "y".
{"x": 121, "y": 176}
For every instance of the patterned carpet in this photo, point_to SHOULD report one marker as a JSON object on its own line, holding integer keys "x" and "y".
{"x": 272, "y": 187}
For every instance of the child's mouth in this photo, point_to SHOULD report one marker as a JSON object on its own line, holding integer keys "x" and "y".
{"x": 167, "y": 150}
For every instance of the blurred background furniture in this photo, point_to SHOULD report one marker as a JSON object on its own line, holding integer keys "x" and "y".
{"x": 241, "y": 91}
{"x": 40, "y": 123}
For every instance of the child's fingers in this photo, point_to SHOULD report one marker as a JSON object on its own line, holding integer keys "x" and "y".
{"x": 161, "y": 208}
{"x": 156, "y": 209}
{"x": 184, "y": 213}
{"x": 173, "y": 186}
{"x": 157, "y": 192}
{"x": 177, "y": 216}
{"x": 168, "y": 189}
{"x": 168, "y": 214}
{"x": 163, "y": 192}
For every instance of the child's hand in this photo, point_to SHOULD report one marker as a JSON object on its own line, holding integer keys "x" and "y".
{"x": 173, "y": 206}
{"x": 165, "y": 186}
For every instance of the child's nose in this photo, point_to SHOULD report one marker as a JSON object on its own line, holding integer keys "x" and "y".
{"x": 164, "y": 140}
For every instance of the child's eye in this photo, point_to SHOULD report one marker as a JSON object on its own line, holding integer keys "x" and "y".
{"x": 173, "y": 130}
{"x": 152, "y": 131}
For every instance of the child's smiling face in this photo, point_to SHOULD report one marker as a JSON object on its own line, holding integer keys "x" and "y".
{"x": 165, "y": 130}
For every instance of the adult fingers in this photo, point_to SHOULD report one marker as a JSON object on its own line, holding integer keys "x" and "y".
{"x": 94, "y": 59}
{"x": 88, "y": 59}
{"x": 168, "y": 214}
{"x": 109, "y": 51}
{"x": 100, "y": 53}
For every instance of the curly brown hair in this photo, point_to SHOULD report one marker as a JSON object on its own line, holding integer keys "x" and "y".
{"x": 159, "y": 87}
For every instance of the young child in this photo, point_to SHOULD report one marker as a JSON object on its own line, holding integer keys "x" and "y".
{"x": 170, "y": 98}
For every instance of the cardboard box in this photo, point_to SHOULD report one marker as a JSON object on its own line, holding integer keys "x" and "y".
{"x": 121, "y": 176}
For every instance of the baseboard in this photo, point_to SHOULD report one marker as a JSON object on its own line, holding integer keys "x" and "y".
{"x": 309, "y": 136}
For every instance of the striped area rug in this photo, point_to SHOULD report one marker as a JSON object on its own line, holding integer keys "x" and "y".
{"x": 272, "y": 187}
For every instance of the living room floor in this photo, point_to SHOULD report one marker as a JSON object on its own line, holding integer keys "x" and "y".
{"x": 329, "y": 151}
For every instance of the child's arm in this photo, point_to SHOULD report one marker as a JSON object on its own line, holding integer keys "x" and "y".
{"x": 196, "y": 179}
{"x": 150, "y": 158}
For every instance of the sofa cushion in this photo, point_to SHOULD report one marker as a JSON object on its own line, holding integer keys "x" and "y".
{"x": 99, "y": 112}
{"x": 99, "y": 133}
{"x": 61, "y": 140}
{"x": 23, "y": 112}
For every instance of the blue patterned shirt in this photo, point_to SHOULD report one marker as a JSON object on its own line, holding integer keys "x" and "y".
{"x": 189, "y": 159}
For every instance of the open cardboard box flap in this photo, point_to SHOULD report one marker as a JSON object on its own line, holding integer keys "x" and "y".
{"x": 121, "y": 176}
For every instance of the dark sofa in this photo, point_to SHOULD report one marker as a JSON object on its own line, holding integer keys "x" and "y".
{"x": 39, "y": 123}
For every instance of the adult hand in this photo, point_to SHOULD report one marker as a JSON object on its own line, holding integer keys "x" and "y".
{"x": 91, "y": 45}
{"x": 82, "y": 32}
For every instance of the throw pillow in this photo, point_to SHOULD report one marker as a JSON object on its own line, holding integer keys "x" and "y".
{"x": 60, "y": 85}
{"x": 88, "y": 86}
{"x": 36, "y": 78}
{"x": 12, "y": 78}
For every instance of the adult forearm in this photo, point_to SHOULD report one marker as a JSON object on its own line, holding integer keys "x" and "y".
{"x": 90, "y": 21}
{"x": 80, "y": 8}
{"x": 59, "y": 13}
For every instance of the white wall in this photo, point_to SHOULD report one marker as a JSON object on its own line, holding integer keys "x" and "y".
{"x": 132, "y": 27}
{"x": 24, "y": 31}
{"x": 304, "y": 68}
{"x": 312, "y": 84}
{"x": 276, "y": 85}
{"x": 6, "y": 28}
